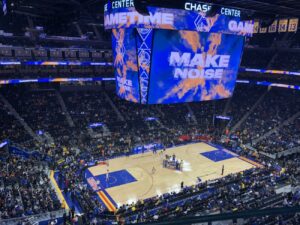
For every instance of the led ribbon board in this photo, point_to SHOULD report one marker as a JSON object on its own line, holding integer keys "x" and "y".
{"x": 175, "y": 55}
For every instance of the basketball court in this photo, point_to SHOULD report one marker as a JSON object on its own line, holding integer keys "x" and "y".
{"x": 133, "y": 178}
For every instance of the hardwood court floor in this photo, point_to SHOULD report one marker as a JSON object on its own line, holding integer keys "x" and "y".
{"x": 166, "y": 180}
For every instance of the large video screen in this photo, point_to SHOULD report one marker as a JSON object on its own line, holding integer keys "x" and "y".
{"x": 190, "y": 66}
{"x": 125, "y": 64}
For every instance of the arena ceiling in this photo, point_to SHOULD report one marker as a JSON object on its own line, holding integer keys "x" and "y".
{"x": 46, "y": 8}
{"x": 57, "y": 12}
{"x": 290, "y": 8}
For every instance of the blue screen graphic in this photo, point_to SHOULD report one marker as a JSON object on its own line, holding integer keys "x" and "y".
{"x": 190, "y": 66}
{"x": 125, "y": 64}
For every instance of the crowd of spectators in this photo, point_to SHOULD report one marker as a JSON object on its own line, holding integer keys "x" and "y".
{"x": 127, "y": 128}
{"x": 244, "y": 98}
{"x": 254, "y": 188}
{"x": 287, "y": 137}
{"x": 41, "y": 110}
{"x": 272, "y": 51}
{"x": 25, "y": 188}
{"x": 284, "y": 60}
{"x": 255, "y": 58}
{"x": 128, "y": 124}
{"x": 93, "y": 108}
{"x": 11, "y": 128}
{"x": 251, "y": 189}
{"x": 277, "y": 106}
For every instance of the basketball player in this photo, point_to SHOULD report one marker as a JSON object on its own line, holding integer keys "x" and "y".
{"x": 107, "y": 176}
{"x": 222, "y": 170}
{"x": 154, "y": 150}
{"x": 161, "y": 154}
{"x": 153, "y": 170}
{"x": 181, "y": 165}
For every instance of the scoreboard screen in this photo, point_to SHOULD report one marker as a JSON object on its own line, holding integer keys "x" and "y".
{"x": 175, "y": 55}
{"x": 125, "y": 63}
{"x": 190, "y": 66}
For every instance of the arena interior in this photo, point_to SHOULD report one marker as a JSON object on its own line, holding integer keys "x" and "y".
{"x": 85, "y": 141}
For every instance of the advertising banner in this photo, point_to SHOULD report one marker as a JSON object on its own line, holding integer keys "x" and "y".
{"x": 176, "y": 19}
{"x": 282, "y": 27}
{"x": 293, "y": 25}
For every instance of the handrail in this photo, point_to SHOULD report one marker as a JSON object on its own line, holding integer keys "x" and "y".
{"x": 228, "y": 216}
{"x": 40, "y": 217}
